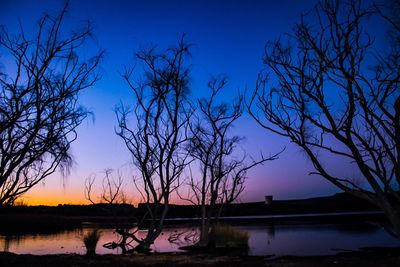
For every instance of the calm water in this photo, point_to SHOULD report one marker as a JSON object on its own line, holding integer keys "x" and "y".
{"x": 265, "y": 239}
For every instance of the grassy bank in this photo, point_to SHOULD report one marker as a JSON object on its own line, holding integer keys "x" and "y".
{"x": 377, "y": 257}
{"x": 225, "y": 236}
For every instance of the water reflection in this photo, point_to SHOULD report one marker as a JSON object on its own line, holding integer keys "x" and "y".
{"x": 70, "y": 241}
{"x": 265, "y": 239}
{"x": 315, "y": 239}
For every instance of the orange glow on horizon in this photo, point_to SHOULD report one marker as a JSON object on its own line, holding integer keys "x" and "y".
{"x": 57, "y": 197}
{"x": 52, "y": 200}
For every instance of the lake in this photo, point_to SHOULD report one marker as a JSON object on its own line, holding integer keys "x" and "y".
{"x": 265, "y": 239}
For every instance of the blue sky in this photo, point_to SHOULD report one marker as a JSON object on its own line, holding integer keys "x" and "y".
{"x": 228, "y": 38}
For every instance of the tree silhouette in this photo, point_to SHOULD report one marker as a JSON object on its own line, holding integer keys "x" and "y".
{"x": 112, "y": 188}
{"x": 157, "y": 140}
{"x": 333, "y": 92}
{"x": 39, "y": 112}
{"x": 222, "y": 169}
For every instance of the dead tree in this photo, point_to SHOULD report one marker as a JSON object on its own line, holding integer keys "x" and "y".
{"x": 112, "y": 189}
{"x": 112, "y": 193}
{"x": 157, "y": 138}
{"x": 39, "y": 110}
{"x": 336, "y": 95}
{"x": 222, "y": 168}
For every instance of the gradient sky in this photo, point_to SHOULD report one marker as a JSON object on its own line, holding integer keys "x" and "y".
{"x": 229, "y": 37}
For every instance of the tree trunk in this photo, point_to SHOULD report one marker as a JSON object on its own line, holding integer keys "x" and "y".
{"x": 389, "y": 204}
{"x": 392, "y": 211}
{"x": 153, "y": 232}
{"x": 204, "y": 233}
{"x": 203, "y": 239}
{"x": 206, "y": 217}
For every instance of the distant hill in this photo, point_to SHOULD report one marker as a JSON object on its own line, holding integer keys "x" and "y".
{"x": 341, "y": 202}
{"x": 54, "y": 218}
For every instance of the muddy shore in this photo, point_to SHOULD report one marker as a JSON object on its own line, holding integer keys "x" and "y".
{"x": 369, "y": 257}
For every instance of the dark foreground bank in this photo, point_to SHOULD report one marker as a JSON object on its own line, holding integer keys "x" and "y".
{"x": 371, "y": 257}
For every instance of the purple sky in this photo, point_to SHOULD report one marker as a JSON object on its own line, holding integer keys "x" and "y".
{"x": 229, "y": 38}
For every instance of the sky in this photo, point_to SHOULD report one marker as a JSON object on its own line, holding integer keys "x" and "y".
{"x": 228, "y": 38}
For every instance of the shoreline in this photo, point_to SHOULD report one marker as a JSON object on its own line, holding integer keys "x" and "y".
{"x": 366, "y": 257}
{"x": 15, "y": 223}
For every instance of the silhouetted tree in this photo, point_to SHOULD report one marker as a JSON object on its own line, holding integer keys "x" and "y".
{"x": 39, "y": 112}
{"x": 222, "y": 169}
{"x": 157, "y": 139}
{"x": 333, "y": 92}
{"x": 111, "y": 191}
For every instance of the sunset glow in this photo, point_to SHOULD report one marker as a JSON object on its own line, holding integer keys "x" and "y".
{"x": 228, "y": 38}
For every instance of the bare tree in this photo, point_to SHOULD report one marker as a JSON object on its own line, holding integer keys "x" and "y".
{"x": 39, "y": 111}
{"x": 222, "y": 169}
{"x": 112, "y": 189}
{"x": 157, "y": 139}
{"x": 336, "y": 95}
{"x": 112, "y": 192}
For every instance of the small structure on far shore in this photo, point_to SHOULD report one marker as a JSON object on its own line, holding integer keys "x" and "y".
{"x": 268, "y": 200}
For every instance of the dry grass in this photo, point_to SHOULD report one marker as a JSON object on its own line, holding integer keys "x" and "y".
{"x": 226, "y": 236}
{"x": 90, "y": 241}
